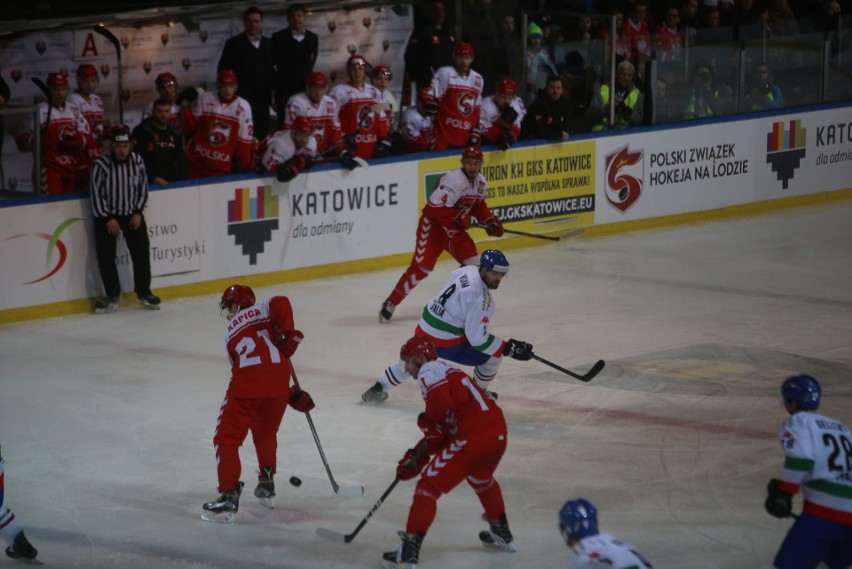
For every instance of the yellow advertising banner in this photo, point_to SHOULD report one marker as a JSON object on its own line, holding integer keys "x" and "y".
{"x": 537, "y": 189}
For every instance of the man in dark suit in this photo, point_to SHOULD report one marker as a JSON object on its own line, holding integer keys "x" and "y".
{"x": 294, "y": 53}
{"x": 249, "y": 55}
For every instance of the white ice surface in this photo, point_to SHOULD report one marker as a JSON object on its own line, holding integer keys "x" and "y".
{"x": 106, "y": 421}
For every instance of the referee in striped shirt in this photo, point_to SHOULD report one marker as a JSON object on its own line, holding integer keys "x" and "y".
{"x": 119, "y": 192}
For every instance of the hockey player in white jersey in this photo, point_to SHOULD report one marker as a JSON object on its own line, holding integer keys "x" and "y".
{"x": 11, "y": 532}
{"x": 588, "y": 549}
{"x": 817, "y": 461}
{"x": 289, "y": 152}
{"x": 456, "y": 322}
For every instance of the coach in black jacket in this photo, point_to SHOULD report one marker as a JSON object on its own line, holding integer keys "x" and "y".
{"x": 294, "y": 52}
{"x": 249, "y": 55}
{"x": 160, "y": 145}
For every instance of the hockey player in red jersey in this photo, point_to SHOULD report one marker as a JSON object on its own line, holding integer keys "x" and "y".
{"x": 221, "y": 129}
{"x": 355, "y": 101}
{"x": 319, "y": 108}
{"x": 464, "y": 437}
{"x": 92, "y": 108}
{"x": 458, "y": 89}
{"x": 64, "y": 133}
{"x": 443, "y": 226}
{"x": 260, "y": 340}
{"x": 501, "y": 115}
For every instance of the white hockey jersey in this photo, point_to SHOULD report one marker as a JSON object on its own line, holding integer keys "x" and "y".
{"x": 457, "y": 191}
{"x": 92, "y": 109}
{"x": 416, "y": 130}
{"x": 603, "y": 551}
{"x": 817, "y": 450}
{"x": 462, "y": 311}
{"x": 322, "y": 116}
{"x": 489, "y": 119}
{"x": 280, "y": 147}
{"x": 389, "y": 108}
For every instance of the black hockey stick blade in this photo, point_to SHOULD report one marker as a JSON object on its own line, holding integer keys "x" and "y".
{"x": 587, "y": 377}
{"x": 574, "y": 233}
{"x": 41, "y": 85}
{"x": 101, "y": 30}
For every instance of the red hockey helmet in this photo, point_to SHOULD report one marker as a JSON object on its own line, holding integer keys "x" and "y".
{"x": 463, "y": 48}
{"x": 240, "y": 296}
{"x": 317, "y": 79}
{"x": 57, "y": 80}
{"x": 472, "y": 152}
{"x": 87, "y": 70}
{"x": 507, "y": 87}
{"x": 226, "y": 77}
{"x": 164, "y": 79}
{"x": 417, "y": 346}
{"x": 382, "y": 71}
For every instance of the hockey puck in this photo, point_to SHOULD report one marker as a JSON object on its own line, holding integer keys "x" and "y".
{"x": 295, "y": 481}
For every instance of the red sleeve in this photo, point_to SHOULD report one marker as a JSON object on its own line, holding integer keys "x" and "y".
{"x": 190, "y": 123}
{"x": 281, "y": 313}
{"x": 444, "y": 216}
{"x": 480, "y": 210}
{"x": 242, "y": 156}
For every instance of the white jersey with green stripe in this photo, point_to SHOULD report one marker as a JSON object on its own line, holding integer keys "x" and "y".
{"x": 818, "y": 458}
{"x": 605, "y": 552}
{"x": 462, "y": 311}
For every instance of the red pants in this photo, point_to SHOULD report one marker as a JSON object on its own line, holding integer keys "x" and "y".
{"x": 432, "y": 240}
{"x": 237, "y": 417}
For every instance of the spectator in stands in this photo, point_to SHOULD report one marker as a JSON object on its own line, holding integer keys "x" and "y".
{"x": 689, "y": 22}
{"x": 363, "y": 128}
{"x": 539, "y": 64}
{"x": 458, "y": 89}
{"x": 501, "y": 115}
{"x": 548, "y": 116}
{"x": 429, "y": 48}
{"x": 763, "y": 93}
{"x": 416, "y": 127}
{"x": 629, "y": 101}
{"x": 782, "y": 19}
{"x": 669, "y": 37}
{"x": 480, "y": 29}
{"x": 662, "y": 108}
{"x": 290, "y": 152}
{"x": 294, "y": 53}
{"x": 622, "y": 44}
{"x": 160, "y": 144}
{"x": 249, "y": 56}
{"x": 702, "y": 98}
{"x": 219, "y": 130}
{"x": 638, "y": 36}
{"x": 711, "y": 30}
{"x": 320, "y": 109}
{"x": 167, "y": 86}
{"x": 92, "y": 108}
{"x": 64, "y": 133}
{"x": 507, "y": 61}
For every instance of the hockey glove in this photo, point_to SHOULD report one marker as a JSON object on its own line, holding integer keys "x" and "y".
{"x": 300, "y": 400}
{"x": 778, "y": 502}
{"x": 430, "y": 109}
{"x": 287, "y": 171}
{"x": 349, "y": 141}
{"x": 505, "y": 141}
{"x": 383, "y": 148}
{"x": 493, "y": 227}
{"x": 462, "y": 220}
{"x": 509, "y": 115}
{"x": 289, "y": 341}
{"x": 408, "y": 469}
{"x": 432, "y": 431}
{"x": 348, "y": 160}
{"x": 475, "y": 138}
{"x": 188, "y": 95}
{"x": 518, "y": 350}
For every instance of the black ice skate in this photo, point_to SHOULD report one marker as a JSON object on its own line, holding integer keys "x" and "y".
{"x": 106, "y": 304}
{"x": 22, "y": 550}
{"x": 375, "y": 394}
{"x": 386, "y": 311}
{"x": 408, "y": 554}
{"x": 224, "y": 509}
{"x": 149, "y": 300}
{"x": 498, "y": 537}
{"x": 265, "y": 490}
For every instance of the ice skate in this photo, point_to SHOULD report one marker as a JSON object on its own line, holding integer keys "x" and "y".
{"x": 224, "y": 509}
{"x": 498, "y": 537}
{"x": 386, "y": 311}
{"x": 376, "y": 394}
{"x": 149, "y": 301}
{"x": 22, "y": 550}
{"x": 106, "y": 304}
{"x": 265, "y": 489}
{"x": 407, "y": 555}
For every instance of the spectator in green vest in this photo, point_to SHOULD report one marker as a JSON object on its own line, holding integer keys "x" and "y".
{"x": 629, "y": 101}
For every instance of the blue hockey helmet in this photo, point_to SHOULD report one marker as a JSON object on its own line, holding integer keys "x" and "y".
{"x": 578, "y": 519}
{"x": 494, "y": 260}
{"x": 803, "y": 389}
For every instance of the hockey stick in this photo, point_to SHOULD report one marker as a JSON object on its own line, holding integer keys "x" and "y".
{"x": 588, "y": 376}
{"x": 573, "y": 233}
{"x": 117, "y": 45}
{"x": 339, "y": 537}
{"x": 338, "y": 489}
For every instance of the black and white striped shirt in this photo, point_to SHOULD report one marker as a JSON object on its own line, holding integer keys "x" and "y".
{"x": 118, "y": 188}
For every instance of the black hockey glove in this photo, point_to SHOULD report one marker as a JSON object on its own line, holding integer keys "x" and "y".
{"x": 188, "y": 95}
{"x": 430, "y": 109}
{"x": 509, "y": 115}
{"x": 518, "y": 350}
{"x": 505, "y": 141}
{"x": 778, "y": 502}
{"x": 383, "y": 148}
{"x": 348, "y": 160}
